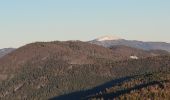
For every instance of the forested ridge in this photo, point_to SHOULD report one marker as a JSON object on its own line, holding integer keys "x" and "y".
{"x": 47, "y": 70}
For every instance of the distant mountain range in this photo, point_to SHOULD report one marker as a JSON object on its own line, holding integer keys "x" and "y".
{"x": 108, "y": 41}
{"x": 5, "y": 51}
{"x": 129, "y": 52}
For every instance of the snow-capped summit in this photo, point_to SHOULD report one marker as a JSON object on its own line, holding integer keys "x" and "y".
{"x": 107, "y": 37}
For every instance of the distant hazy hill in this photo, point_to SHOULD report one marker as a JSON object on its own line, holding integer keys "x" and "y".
{"x": 5, "y": 51}
{"x": 126, "y": 52}
{"x": 46, "y": 70}
{"x": 108, "y": 42}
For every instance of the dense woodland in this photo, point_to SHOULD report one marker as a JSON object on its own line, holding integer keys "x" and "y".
{"x": 77, "y": 70}
{"x": 154, "y": 86}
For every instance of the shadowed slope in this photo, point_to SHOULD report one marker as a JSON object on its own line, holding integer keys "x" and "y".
{"x": 146, "y": 86}
{"x": 82, "y": 94}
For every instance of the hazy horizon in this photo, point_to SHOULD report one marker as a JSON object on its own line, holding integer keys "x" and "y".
{"x": 25, "y": 22}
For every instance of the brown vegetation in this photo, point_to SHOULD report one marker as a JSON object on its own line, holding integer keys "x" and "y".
{"x": 45, "y": 70}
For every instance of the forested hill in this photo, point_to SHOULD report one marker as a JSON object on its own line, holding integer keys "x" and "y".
{"x": 45, "y": 70}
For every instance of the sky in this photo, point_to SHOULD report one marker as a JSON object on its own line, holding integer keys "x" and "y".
{"x": 26, "y": 21}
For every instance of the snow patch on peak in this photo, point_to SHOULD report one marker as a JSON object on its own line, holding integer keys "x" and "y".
{"x": 107, "y": 37}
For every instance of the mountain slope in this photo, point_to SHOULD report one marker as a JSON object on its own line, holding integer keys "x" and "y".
{"x": 70, "y": 52}
{"x": 128, "y": 52}
{"x": 146, "y": 86}
{"x": 5, "y": 51}
{"x": 44, "y": 70}
{"x": 134, "y": 44}
{"x": 124, "y": 71}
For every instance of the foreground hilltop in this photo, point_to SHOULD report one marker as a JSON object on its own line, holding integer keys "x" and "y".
{"x": 45, "y": 70}
{"x": 69, "y": 52}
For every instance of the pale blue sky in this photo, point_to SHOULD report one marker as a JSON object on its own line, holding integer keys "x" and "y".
{"x": 25, "y": 21}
